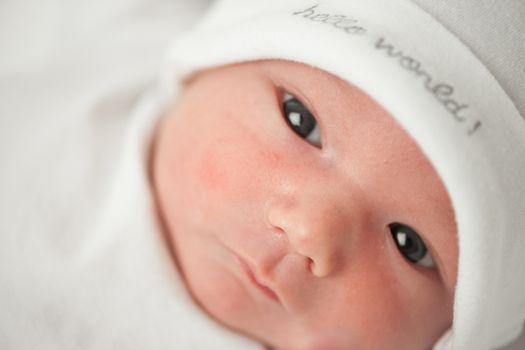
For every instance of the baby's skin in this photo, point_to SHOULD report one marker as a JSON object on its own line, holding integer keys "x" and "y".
{"x": 301, "y": 214}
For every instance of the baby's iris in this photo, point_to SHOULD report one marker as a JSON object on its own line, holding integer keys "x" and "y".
{"x": 301, "y": 120}
{"x": 411, "y": 245}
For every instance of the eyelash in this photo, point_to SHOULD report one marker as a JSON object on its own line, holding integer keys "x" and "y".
{"x": 300, "y": 119}
{"x": 411, "y": 245}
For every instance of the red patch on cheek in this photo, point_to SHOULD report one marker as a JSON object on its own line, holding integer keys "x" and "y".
{"x": 211, "y": 173}
{"x": 235, "y": 173}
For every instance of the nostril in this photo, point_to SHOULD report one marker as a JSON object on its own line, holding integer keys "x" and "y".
{"x": 280, "y": 231}
{"x": 310, "y": 264}
{"x": 273, "y": 219}
{"x": 321, "y": 266}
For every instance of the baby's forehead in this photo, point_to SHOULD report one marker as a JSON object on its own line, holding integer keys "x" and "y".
{"x": 331, "y": 96}
{"x": 318, "y": 87}
{"x": 308, "y": 76}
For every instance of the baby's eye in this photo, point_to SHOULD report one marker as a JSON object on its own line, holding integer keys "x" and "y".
{"x": 301, "y": 120}
{"x": 411, "y": 245}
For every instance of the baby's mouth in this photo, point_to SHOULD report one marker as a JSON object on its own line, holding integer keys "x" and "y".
{"x": 253, "y": 279}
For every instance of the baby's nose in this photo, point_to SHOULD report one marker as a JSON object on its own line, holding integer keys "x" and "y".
{"x": 317, "y": 226}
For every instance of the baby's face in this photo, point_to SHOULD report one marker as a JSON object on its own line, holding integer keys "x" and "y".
{"x": 301, "y": 214}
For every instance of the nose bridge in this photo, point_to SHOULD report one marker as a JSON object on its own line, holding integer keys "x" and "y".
{"x": 317, "y": 218}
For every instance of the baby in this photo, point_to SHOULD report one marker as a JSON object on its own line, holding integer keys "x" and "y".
{"x": 309, "y": 214}
{"x": 332, "y": 175}
{"x": 302, "y": 214}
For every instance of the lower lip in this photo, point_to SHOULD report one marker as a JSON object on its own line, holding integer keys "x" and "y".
{"x": 248, "y": 271}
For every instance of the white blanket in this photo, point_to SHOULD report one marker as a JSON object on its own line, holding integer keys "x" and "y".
{"x": 82, "y": 262}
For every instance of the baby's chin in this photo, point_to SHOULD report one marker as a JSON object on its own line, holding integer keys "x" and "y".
{"x": 320, "y": 340}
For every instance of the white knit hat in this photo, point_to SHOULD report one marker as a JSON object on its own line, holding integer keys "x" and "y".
{"x": 452, "y": 73}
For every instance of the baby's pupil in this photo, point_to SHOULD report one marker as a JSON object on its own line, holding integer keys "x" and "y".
{"x": 298, "y": 117}
{"x": 409, "y": 242}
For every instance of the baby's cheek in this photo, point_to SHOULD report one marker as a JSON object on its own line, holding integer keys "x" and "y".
{"x": 239, "y": 173}
{"x": 212, "y": 172}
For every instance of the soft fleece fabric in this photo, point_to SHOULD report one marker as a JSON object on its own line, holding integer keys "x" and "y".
{"x": 82, "y": 262}
{"x": 452, "y": 74}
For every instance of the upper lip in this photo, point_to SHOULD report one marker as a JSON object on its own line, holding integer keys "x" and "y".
{"x": 252, "y": 276}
